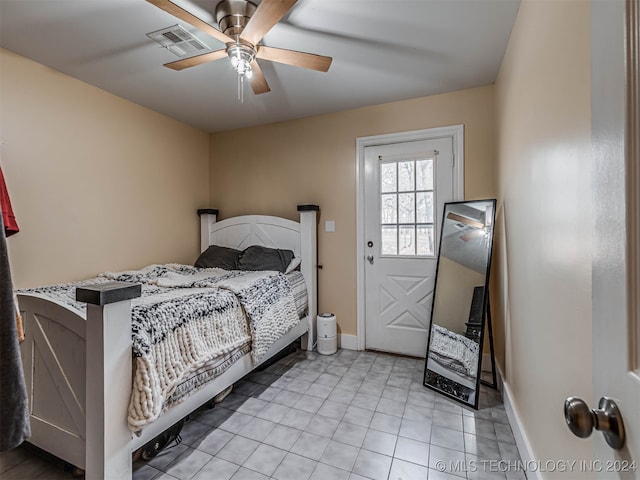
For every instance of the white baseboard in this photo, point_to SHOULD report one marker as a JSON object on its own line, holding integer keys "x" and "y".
{"x": 348, "y": 342}
{"x": 522, "y": 441}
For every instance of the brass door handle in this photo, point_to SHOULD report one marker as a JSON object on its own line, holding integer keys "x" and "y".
{"x": 607, "y": 418}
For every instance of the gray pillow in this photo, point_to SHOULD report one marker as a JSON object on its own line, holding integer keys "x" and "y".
{"x": 220, "y": 257}
{"x": 256, "y": 257}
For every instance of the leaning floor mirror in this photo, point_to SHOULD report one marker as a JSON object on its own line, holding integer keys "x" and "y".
{"x": 454, "y": 347}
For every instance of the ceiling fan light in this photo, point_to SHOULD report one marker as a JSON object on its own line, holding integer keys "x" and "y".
{"x": 242, "y": 67}
{"x": 241, "y": 56}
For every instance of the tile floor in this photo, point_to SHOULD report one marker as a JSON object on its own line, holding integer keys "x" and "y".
{"x": 348, "y": 416}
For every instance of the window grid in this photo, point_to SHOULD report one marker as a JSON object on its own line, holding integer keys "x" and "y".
{"x": 401, "y": 233}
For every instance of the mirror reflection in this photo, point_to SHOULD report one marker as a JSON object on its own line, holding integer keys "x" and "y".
{"x": 459, "y": 304}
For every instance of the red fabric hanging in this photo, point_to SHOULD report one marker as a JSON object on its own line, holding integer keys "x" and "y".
{"x": 9, "y": 219}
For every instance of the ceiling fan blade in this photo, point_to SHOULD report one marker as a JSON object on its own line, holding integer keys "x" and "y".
{"x": 268, "y": 13}
{"x": 191, "y": 19}
{"x": 197, "y": 60}
{"x": 257, "y": 81}
{"x": 297, "y": 59}
{"x": 467, "y": 221}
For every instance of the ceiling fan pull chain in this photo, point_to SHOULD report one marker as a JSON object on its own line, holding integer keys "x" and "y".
{"x": 241, "y": 88}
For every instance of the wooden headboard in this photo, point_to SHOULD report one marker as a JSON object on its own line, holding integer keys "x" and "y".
{"x": 244, "y": 231}
{"x": 274, "y": 232}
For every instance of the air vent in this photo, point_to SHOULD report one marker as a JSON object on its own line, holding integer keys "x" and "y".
{"x": 179, "y": 41}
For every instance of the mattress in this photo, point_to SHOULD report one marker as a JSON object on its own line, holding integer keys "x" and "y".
{"x": 299, "y": 290}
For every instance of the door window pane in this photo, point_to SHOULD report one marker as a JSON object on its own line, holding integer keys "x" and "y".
{"x": 388, "y": 177}
{"x": 425, "y": 241}
{"x": 424, "y": 207}
{"x": 406, "y": 208}
{"x": 389, "y": 208}
{"x": 424, "y": 174}
{"x": 406, "y": 179}
{"x": 407, "y": 240}
{"x": 389, "y": 240}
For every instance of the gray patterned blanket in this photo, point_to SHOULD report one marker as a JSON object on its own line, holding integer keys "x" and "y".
{"x": 185, "y": 318}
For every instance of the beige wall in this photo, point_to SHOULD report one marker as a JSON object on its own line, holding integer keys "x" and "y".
{"x": 270, "y": 169}
{"x": 97, "y": 183}
{"x": 544, "y": 245}
{"x": 455, "y": 294}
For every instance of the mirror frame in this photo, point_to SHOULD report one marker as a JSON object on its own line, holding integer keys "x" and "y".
{"x": 485, "y": 302}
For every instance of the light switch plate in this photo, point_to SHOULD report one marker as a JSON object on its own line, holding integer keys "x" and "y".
{"x": 330, "y": 226}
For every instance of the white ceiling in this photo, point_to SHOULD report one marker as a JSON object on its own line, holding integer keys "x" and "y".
{"x": 382, "y": 51}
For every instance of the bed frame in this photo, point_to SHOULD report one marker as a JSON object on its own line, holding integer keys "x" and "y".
{"x": 77, "y": 370}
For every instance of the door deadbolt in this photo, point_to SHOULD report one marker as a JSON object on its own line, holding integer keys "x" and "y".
{"x": 607, "y": 418}
{"x": 369, "y": 244}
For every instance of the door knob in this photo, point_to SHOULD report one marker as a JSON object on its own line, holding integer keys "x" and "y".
{"x": 607, "y": 418}
{"x": 370, "y": 258}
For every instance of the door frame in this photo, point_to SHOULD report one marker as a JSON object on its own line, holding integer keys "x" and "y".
{"x": 456, "y": 132}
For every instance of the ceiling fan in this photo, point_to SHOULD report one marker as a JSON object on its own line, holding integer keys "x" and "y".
{"x": 242, "y": 26}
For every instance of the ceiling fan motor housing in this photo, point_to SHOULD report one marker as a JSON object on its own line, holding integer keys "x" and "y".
{"x": 233, "y": 16}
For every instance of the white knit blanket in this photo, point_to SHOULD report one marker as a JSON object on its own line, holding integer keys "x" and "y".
{"x": 174, "y": 333}
{"x": 459, "y": 350}
{"x": 266, "y": 297}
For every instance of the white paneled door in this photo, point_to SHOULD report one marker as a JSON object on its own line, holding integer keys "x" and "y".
{"x": 405, "y": 188}
{"x": 616, "y": 251}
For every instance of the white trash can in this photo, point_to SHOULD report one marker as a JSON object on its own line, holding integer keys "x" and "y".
{"x": 327, "y": 334}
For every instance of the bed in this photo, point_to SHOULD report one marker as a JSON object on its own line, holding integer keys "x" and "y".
{"x": 79, "y": 361}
